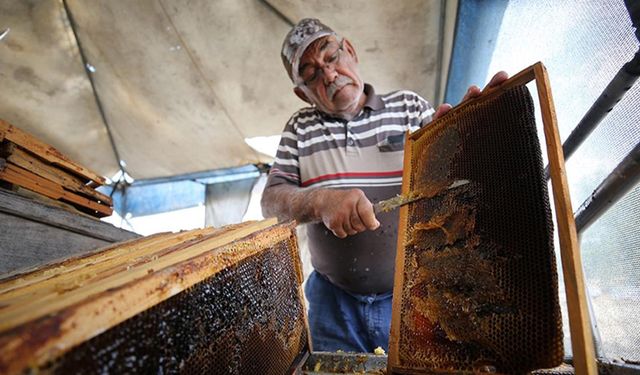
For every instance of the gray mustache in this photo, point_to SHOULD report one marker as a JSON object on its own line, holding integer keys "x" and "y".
{"x": 340, "y": 82}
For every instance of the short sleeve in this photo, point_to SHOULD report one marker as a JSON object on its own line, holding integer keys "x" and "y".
{"x": 425, "y": 109}
{"x": 285, "y": 169}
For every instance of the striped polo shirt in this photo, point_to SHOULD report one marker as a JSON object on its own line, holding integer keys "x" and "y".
{"x": 320, "y": 151}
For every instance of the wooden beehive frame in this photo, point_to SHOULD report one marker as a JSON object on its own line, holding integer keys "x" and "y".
{"x": 579, "y": 320}
{"x": 46, "y": 152}
{"x": 47, "y": 311}
{"x": 34, "y": 165}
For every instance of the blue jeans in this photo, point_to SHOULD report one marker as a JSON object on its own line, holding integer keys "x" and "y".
{"x": 340, "y": 320}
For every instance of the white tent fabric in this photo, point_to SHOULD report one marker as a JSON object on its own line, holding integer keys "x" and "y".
{"x": 227, "y": 202}
{"x": 183, "y": 83}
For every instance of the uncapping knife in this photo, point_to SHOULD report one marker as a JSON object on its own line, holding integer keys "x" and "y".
{"x": 400, "y": 200}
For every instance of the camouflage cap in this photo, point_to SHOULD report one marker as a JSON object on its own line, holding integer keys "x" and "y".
{"x": 296, "y": 42}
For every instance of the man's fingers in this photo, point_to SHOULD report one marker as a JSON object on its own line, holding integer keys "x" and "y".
{"x": 442, "y": 110}
{"x": 356, "y": 222}
{"x": 497, "y": 79}
{"x": 353, "y": 215}
{"x": 335, "y": 226}
{"x": 367, "y": 216}
{"x": 348, "y": 229}
{"x": 472, "y": 92}
{"x": 339, "y": 232}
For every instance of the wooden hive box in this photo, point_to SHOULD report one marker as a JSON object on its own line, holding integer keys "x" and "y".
{"x": 212, "y": 301}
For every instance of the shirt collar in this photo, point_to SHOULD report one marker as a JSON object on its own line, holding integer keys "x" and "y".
{"x": 373, "y": 101}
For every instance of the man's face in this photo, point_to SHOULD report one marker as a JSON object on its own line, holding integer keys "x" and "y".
{"x": 330, "y": 78}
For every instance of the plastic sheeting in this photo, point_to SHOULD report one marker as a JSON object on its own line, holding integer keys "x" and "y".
{"x": 227, "y": 202}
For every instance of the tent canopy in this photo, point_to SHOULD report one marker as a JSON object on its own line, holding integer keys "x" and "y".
{"x": 182, "y": 84}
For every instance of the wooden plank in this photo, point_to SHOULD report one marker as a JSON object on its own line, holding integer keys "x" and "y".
{"x": 26, "y": 179}
{"x": 398, "y": 282}
{"x": 116, "y": 259}
{"x": 47, "y": 152}
{"x": 84, "y": 313}
{"x": 48, "y": 271}
{"x": 21, "y": 177}
{"x": 24, "y": 243}
{"x": 579, "y": 321}
{"x": 58, "y": 226}
{"x": 17, "y": 205}
{"x": 49, "y": 201}
{"x": 119, "y": 253}
{"x": 116, "y": 254}
{"x": 22, "y": 158}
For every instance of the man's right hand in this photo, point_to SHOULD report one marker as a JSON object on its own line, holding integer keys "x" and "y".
{"x": 345, "y": 212}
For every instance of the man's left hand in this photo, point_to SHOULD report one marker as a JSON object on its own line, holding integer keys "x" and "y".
{"x": 473, "y": 92}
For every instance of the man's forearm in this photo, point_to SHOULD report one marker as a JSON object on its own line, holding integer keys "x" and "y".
{"x": 288, "y": 202}
{"x": 344, "y": 211}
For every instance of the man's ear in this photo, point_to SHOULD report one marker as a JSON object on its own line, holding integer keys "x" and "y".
{"x": 350, "y": 49}
{"x": 301, "y": 94}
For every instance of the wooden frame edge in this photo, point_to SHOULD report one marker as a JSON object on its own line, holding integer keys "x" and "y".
{"x": 584, "y": 359}
{"x": 523, "y": 77}
{"x": 295, "y": 253}
{"x": 398, "y": 282}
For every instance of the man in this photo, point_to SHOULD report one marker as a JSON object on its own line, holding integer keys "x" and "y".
{"x": 334, "y": 159}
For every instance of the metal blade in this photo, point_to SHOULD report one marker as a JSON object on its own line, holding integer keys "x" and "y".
{"x": 401, "y": 200}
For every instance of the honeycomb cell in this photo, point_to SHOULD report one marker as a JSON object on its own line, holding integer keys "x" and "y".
{"x": 247, "y": 319}
{"x": 480, "y": 277}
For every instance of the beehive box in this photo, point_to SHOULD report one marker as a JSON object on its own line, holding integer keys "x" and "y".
{"x": 214, "y": 301}
{"x": 476, "y": 286}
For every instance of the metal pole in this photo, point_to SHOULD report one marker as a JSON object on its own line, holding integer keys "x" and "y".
{"x": 623, "y": 178}
{"x": 612, "y": 94}
{"x": 89, "y": 71}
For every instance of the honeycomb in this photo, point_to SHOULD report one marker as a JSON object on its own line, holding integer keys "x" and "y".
{"x": 480, "y": 286}
{"x": 248, "y": 317}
